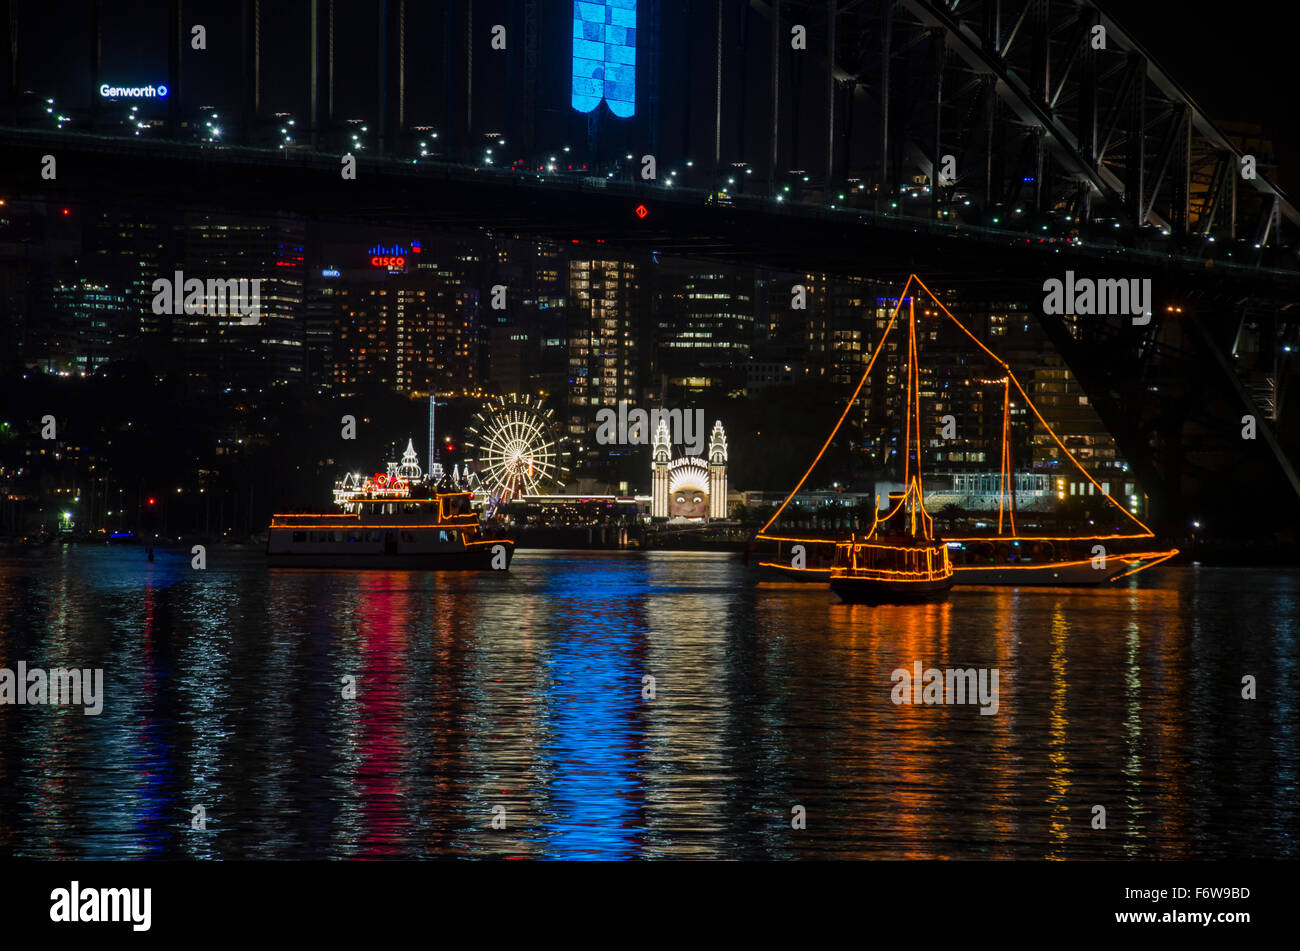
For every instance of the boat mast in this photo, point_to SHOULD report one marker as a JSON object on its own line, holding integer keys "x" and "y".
{"x": 1011, "y": 457}
{"x": 1007, "y": 493}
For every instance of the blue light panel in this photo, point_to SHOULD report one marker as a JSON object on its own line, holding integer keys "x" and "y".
{"x": 604, "y": 55}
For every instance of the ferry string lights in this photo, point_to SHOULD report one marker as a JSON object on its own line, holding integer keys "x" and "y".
{"x": 1006, "y": 511}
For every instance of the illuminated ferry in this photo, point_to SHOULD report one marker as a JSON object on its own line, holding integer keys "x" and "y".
{"x": 391, "y": 520}
{"x": 888, "y": 568}
{"x": 1012, "y": 556}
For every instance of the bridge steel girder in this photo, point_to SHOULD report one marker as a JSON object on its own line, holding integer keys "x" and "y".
{"x": 1103, "y": 115}
{"x": 1172, "y": 398}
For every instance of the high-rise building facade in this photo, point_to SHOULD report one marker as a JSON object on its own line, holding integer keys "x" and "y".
{"x": 413, "y": 331}
{"x": 606, "y": 302}
{"x": 224, "y": 350}
{"x": 703, "y": 326}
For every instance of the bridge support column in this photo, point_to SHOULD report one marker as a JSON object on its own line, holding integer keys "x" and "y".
{"x": 776, "y": 96}
{"x": 251, "y": 48}
{"x": 1135, "y": 178}
{"x": 883, "y": 184}
{"x": 9, "y": 55}
{"x": 717, "y": 101}
{"x": 940, "y": 49}
{"x": 175, "y": 51}
{"x": 313, "y": 73}
{"x": 831, "y": 14}
{"x": 381, "y": 130}
{"x": 96, "y": 61}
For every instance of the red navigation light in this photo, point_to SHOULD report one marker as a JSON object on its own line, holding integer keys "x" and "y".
{"x": 67, "y": 211}
{"x": 642, "y": 211}
{"x": 152, "y": 500}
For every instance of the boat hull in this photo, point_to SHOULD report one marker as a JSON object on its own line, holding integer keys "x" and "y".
{"x": 1048, "y": 574}
{"x": 871, "y": 591}
{"x": 1072, "y": 569}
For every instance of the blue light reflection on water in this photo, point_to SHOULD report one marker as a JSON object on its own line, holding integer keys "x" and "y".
{"x": 592, "y": 698}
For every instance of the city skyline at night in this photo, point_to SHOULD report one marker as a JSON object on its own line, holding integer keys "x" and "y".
{"x": 855, "y": 436}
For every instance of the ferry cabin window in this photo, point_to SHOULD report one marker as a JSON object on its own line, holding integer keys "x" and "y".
{"x": 442, "y": 535}
{"x": 299, "y": 536}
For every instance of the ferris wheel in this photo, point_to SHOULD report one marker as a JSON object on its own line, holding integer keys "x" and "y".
{"x": 515, "y": 448}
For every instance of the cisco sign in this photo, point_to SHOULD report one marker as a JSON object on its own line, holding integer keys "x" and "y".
{"x": 133, "y": 92}
{"x": 394, "y": 258}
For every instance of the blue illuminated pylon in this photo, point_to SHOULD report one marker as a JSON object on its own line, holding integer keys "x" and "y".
{"x": 604, "y": 55}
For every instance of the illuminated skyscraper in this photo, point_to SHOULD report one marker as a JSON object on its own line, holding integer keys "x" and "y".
{"x": 704, "y": 326}
{"x": 414, "y": 332}
{"x": 604, "y": 55}
{"x": 222, "y": 350}
{"x": 606, "y": 302}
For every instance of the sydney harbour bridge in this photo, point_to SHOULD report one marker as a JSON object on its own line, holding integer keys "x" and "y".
{"x": 988, "y": 144}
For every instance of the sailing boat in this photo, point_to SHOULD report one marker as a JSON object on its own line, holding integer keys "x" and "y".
{"x": 1005, "y": 558}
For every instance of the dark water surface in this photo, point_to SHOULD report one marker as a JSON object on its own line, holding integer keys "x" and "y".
{"x": 223, "y": 689}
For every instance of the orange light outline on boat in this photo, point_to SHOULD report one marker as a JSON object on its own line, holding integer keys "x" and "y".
{"x": 1165, "y": 557}
{"x": 769, "y": 564}
{"x": 1036, "y": 538}
{"x": 852, "y": 399}
{"x": 874, "y": 574}
{"x": 929, "y": 573}
{"x": 1044, "y": 565}
{"x": 1037, "y": 414}
{"x": 1007, "y": 469}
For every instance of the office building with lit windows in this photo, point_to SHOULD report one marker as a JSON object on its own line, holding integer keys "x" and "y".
{"x": 607, "y": 299}
{"x": 222, "y": 350}
{"x": 703, "y": 327}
